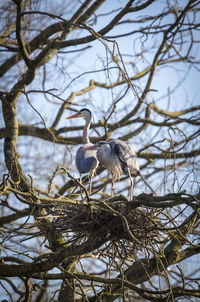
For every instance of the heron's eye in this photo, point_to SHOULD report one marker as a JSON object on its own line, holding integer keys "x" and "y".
{"x": 102, "y": 143}
{"x": 85, "y": 111}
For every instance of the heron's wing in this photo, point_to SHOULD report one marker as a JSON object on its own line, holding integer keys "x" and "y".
{"x": 127, "y": 157}
{"x": 86, "y": 161}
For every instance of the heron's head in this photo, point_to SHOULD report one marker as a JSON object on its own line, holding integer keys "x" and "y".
{"x": 85, "y": 113}
{"x": 102, "y": 144}
{"x": 97, "y": 146}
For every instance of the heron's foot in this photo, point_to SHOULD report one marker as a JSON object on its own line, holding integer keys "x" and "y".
{"x": 130, "y": 195}
{"x": 113, "y": 194}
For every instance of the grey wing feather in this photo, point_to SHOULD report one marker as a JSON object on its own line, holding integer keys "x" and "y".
{"x": 127, "y": 157}
{"x": 86, "y": 161}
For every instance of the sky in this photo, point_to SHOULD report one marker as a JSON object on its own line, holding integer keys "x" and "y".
{"x": 186, "y": 95}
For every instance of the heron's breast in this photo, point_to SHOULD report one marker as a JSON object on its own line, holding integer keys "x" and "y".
{"x": 112, "y": 163}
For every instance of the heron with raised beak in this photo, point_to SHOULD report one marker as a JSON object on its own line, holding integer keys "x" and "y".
{"x": 86, "y": 160}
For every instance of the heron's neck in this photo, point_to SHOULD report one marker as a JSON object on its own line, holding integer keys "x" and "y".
{"x": 86, "y": 139}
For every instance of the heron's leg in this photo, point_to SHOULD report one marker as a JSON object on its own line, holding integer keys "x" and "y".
{"x": 80, "y": 180}
{"x": 112, "y": 188}
{"x": 132, "y": 182}
{"x": 90, "y": 183}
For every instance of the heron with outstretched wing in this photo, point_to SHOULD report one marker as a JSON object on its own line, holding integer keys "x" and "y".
{"x": 119, "y": 158}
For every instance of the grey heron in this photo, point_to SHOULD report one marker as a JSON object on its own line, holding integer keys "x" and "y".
{"x": 119, "y": 158}
{"x": 86, "y": 161}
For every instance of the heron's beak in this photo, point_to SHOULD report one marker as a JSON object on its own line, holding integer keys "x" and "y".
{"x": 72, "y": 116}
{"x": 94, "y": 147}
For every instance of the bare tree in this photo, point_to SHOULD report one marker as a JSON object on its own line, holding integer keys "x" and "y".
{"x": 131, "y": 63}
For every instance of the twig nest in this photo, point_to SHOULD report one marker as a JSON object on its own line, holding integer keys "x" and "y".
{"x": 134, "y": 230}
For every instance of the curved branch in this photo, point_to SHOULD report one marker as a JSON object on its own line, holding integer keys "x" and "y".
{"x": 22, "y": 47}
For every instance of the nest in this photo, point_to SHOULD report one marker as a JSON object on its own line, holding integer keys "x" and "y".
{"x": 134, "y": 229}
